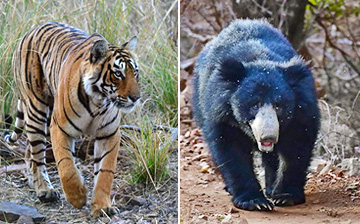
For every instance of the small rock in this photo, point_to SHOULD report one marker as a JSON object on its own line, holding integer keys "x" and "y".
{"x": 233, "y": 210}
{"x": 204, "y": 217}
{"x": 125, "y": 213}
{"x": 135, "y": 208}
{"x": 195, "y": 132}
{"x": 199, "y": 157}
{"x": 186, "y": 111}
{"x": 201, "y": 181}
{"x": 137, "y": 201}
{"x": 152, "y": 215}
{"x": 25, "y": 220}
{"x": 208, "y": 177}
{"x": 82, "y": 214}
{"x": 10, "y": 212}
{"x": 199, "y": 146}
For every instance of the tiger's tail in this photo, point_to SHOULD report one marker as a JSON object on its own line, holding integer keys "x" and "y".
{"x": 19, "y": 124}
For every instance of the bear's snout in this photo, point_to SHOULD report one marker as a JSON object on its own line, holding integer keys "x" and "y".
{"x": 265, "y": 128}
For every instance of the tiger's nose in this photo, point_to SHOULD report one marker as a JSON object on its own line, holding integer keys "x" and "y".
{"x": 134, "y": 98}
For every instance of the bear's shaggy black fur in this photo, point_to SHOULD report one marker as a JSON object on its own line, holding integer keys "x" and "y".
{"x": 248, "y": 66}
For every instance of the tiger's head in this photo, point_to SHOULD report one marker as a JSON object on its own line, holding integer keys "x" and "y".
{"x": 111, "y": 74}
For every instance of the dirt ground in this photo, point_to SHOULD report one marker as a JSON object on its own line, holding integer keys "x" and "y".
{"x": 137, "y": 203}
{"x": 332, "y": 197}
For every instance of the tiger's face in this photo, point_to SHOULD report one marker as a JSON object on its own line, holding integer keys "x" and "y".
{"x": 113, "y": 75}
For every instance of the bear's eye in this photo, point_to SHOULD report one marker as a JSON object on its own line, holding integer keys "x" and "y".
{"x": 254, "y": 109}
{"x": 277, "y": 107}
{"x": 257, "y": 105}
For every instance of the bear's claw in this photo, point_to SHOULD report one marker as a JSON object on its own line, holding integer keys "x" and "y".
{"x": 286, "y": 199}
{"x": 260, "y": 204}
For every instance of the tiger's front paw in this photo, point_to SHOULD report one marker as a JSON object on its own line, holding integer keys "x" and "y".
{"x": 76, "y": 195}
{"x": 49, "y": 195}
{"x": 97, "y": 210}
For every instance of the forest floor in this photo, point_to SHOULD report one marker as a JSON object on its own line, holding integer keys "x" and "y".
{"x": 332, "y": 196}
{"x": 137, "y": 203}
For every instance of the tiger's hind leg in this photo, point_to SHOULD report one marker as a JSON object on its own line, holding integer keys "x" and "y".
{"x": 71, "y": 180}
{"x": 19, "y": 124}
{"x": 105, "y": 156}
{"x": 36, "y": 118}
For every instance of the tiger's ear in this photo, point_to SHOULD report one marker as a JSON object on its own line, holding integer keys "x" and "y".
{"x": 98, "y": 51}
{"x": 131, "y": 44}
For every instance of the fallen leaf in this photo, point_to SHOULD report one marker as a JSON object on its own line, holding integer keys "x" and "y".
{"x": 325, "y": 170}
{"x": 195, "y": 132}
{"x": 204, "y": 217}
{"x": 204, "y": 167}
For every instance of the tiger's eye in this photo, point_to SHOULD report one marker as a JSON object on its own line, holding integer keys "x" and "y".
{"x": 119, "y": 75}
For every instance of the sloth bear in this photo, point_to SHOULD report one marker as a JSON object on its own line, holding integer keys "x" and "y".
{"x": 252, "y": 90}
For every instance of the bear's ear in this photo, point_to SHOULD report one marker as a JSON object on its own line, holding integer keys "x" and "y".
{"x": 295, "y": 73}
{"x": 232, "y": 70}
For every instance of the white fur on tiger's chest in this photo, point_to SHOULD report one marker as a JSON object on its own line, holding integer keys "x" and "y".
{"x": 98, "y": 123}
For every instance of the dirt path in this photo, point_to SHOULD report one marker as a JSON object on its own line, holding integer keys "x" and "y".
{"x": 330, "y": 198}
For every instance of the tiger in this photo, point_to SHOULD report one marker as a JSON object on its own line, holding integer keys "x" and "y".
{"x": 72, "y": 84}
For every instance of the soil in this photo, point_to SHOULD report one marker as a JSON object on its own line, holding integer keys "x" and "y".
{"x": 137, "y": 203}
{"x": 331, "y": 197}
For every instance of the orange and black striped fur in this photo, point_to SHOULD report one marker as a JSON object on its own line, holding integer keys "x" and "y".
{"x": 75, "y": 85}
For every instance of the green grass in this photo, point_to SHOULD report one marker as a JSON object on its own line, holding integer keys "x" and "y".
{"x": 117, "y": 21}
{"x": 149, "y": 152}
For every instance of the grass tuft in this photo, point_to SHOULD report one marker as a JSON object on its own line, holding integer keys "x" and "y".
{"x": 149, "y": 150}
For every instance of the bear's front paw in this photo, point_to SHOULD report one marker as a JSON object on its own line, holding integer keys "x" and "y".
{"x": 48, "y": 196}
{"x": 260, "y": 204}
{"x": 286, "y": 199}
{"x": 97, "y": 210}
